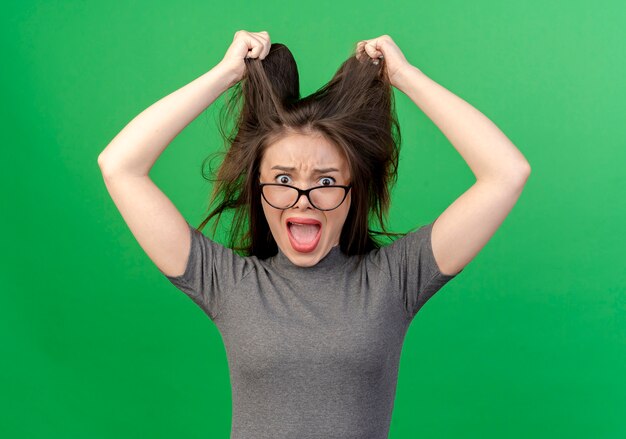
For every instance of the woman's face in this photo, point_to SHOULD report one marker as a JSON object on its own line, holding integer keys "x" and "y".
{"x": 305, "y": 155}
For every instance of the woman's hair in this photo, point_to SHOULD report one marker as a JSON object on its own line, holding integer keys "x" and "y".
{"x": 354, "y": 111}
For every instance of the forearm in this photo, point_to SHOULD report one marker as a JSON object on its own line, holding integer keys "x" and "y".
{"x": 487, "y": 151}
{"x": 136, "y": 148}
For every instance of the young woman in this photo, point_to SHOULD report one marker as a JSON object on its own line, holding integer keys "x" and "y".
{"x": 314, "y": 311}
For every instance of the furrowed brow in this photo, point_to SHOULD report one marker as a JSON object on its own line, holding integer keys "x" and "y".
{"x": 316, "y": 170}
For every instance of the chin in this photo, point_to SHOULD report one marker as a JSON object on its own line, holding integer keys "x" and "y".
{"x": 304, "y": 259}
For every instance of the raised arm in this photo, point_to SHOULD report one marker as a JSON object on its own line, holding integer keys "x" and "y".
{"x": 501, "y": 170}
{"x": 125, "y": 163}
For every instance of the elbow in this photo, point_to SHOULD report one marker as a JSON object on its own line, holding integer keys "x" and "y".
{"x": 513, "y": 176}
{"x": 102, "y": 163}
{"x": 522, "y": 174}
{"x": 106, "y": 166}
{"x": 525, "y": 171}
{"x": 525, "y": 168}
{"x": 520, "y": 170}
{"x": 110, "y": 167}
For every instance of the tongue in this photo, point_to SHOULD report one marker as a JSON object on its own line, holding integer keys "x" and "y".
{"x": 304, "y": 233}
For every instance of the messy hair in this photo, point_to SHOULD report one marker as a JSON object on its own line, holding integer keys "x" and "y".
{"x": 354, "y": 111}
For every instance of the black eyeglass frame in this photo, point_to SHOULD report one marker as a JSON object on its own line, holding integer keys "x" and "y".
{"x": 304, "y": 192}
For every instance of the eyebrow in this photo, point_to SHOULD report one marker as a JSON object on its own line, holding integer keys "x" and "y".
{"x": 317, "y": 170}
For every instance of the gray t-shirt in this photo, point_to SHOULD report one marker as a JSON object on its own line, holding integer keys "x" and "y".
{"x": 313, "y": 352}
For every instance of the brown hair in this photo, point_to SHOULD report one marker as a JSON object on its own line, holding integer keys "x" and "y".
{"x": 354, "y": 111}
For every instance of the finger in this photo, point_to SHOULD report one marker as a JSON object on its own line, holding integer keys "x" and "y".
{"x": 360, "y": 49}
{"x": 267, "y": 45}
{"x": 255, "y": 46}
{"x": 264, "y": 37}
{"x": 372, "y": 50}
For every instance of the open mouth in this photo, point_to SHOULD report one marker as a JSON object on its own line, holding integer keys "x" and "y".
{"x": 304, "y": 234}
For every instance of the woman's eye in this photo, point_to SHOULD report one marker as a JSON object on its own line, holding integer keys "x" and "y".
{"x": 283, "y": 178}
{"x": 327, "y": 181}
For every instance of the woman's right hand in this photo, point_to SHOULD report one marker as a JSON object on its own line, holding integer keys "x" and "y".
{"x": 245, "y": 45}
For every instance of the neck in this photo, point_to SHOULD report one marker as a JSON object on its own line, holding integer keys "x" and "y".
{"x": 333, "y": 259}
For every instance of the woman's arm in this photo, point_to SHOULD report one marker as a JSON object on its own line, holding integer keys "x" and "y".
{"x": 153, "y": 219}
{"x": 137, "y": 147}
{"x": 487, "y": 151}
{"x": 501, "y": 171}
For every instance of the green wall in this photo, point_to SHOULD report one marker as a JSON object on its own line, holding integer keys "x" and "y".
{"x": 529, "y": 342}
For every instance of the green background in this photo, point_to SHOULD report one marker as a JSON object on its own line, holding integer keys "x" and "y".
{"x": 529, "y": 341}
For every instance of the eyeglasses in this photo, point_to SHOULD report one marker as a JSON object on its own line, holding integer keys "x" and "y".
{"x": 284, "y": 196}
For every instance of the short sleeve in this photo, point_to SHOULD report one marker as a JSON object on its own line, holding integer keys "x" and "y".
{"x": 411, "y": 265}
{"x": 211, "y": 273}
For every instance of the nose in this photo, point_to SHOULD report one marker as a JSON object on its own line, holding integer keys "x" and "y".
{"x": 303, "y": 202}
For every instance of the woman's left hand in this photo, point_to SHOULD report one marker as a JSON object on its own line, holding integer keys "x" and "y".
{"x": 384, "y": 47}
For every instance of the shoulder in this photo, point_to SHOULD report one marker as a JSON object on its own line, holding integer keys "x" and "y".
{"x": 389, "y": 256}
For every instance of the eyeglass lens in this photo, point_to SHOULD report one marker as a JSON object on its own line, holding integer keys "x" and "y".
{"x": 283, "y": 197}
